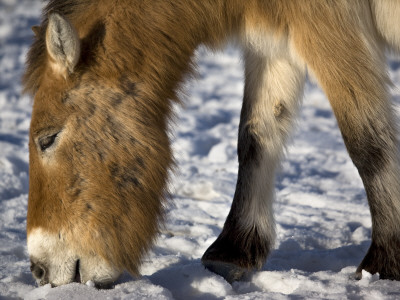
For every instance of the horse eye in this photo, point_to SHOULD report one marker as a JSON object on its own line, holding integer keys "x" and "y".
{"x": 47, "y": 141}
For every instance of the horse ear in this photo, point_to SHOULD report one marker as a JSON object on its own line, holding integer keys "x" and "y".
{"x": 63, "y": 44}
{"x": 36, "y": 30}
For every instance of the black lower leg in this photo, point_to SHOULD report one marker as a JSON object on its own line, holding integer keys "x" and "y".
{"x": 374, "y": 152}
{"x": 242, "y": 244}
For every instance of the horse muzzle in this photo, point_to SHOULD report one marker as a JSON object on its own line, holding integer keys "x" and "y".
{"x": 54, "y": 261}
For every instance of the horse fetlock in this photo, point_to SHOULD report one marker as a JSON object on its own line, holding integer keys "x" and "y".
{"x": 383, "y": 259}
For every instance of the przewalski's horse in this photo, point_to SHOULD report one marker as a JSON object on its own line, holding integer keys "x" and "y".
{"x": 105, "y": 74}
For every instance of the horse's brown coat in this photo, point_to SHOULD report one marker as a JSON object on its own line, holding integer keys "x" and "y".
{"x": 105, "y": 183}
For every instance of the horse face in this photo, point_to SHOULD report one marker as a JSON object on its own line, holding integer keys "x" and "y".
{"x": 66, "y": 201}
{"x": 98, "y": 169}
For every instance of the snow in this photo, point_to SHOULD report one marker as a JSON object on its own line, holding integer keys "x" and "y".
{"x": 322, "y": 216}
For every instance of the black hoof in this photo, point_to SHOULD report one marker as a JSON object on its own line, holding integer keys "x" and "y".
{"x": 229, "y": 272}
{"x": 234, "y": 255}
{"x": 384, "y": 260}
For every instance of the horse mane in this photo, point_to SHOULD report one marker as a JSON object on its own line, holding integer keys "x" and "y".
{"x": 141, "y": 37}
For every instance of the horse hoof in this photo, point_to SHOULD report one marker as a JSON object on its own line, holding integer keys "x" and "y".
{"x": 229, "y": 272}
{"x": 384, "y": 260}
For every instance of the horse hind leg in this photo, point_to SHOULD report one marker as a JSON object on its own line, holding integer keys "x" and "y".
{"x": 273, "y": 89}
{"x": 350, "y": 67}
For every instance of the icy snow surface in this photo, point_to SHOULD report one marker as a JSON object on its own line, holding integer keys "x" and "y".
{"x": 323, "y": 221}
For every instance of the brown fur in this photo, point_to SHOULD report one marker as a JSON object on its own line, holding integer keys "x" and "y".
{"x": 152, "y": 57}
{"x": 109, "y": 172}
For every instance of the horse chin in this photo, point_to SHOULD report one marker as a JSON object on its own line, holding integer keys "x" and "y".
{"x": 54, "y": 262}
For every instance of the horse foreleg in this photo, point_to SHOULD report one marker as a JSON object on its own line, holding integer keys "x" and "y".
{"x": 273, "y": 89}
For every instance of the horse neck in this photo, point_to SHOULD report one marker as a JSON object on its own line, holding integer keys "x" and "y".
{"x": 154, "y": 41}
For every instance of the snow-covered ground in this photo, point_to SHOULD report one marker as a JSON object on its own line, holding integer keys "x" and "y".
{"x": 323, "y": 221}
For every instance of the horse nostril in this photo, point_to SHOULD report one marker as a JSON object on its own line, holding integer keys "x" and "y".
{"x": 38, "y": 270}
{"x": 77, "y": 277}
